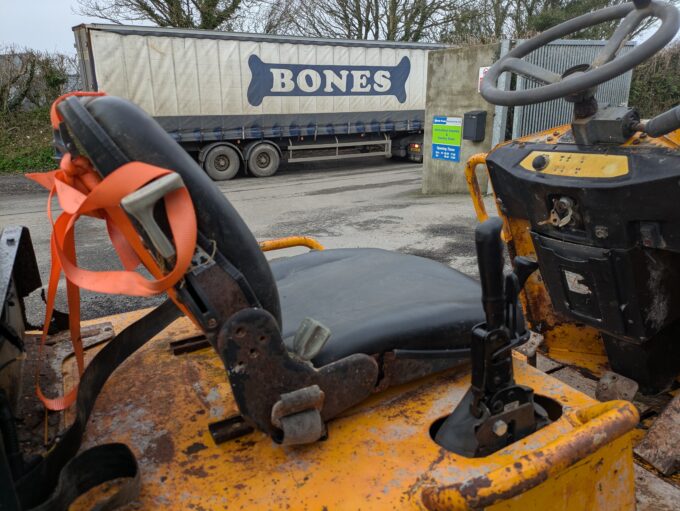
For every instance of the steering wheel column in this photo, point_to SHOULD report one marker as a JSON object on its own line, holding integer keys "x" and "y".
{"x": 579, "y": 84}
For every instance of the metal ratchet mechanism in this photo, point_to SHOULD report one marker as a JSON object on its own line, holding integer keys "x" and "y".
{"x": 141, "y": 204}
{"x": 495, "y": 411}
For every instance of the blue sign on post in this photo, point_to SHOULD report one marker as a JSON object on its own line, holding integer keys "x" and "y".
{"x": 446, "y": 138}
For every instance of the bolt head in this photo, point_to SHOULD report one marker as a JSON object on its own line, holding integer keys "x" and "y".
{"x": 601, "y": 231}
{"x": 500, "y": 428}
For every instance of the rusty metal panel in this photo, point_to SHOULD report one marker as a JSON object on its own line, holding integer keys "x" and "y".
{"x": 558, "y": 57}
{"x": 379, "y": 455}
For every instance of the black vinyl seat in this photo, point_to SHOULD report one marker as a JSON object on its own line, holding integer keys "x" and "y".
{"x": 375, "y": 301}
{"x": 372, "y": 300}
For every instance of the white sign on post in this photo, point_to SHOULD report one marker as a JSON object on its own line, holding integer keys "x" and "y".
{"x": 482, "y": 74}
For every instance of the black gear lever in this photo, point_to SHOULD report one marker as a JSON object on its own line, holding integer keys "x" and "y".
{"x": 495, "y": 411}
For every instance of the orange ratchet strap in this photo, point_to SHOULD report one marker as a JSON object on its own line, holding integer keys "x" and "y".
{"x": 81, "y": 191}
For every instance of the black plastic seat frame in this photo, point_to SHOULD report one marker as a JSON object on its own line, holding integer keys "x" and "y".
{"x": 372, "y": 300}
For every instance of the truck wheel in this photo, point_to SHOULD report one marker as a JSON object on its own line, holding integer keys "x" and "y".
{"x": 222, "y": 162}
{"x": 264, "y": 160}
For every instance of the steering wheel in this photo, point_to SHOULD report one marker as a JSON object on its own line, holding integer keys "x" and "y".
{"x": 607, "y": 64}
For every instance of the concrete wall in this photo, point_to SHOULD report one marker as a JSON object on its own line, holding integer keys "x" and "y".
{"x": 452, "y": 91}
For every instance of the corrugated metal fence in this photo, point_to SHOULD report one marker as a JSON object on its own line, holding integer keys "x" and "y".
{"x": 558, "y": 57}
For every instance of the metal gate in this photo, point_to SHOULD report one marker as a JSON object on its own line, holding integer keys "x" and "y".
{"x": 558, "y": 57}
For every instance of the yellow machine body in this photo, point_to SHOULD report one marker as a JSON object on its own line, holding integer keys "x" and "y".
{"x": 314, "y": 434}
{"x": 379, "y": 455}
{"x": 568, "y": 342}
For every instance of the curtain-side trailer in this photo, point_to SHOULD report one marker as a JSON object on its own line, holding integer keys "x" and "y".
{"x": 248, "y": 101}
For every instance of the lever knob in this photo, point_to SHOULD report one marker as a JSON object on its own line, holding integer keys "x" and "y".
{"x": 490, "y": 261}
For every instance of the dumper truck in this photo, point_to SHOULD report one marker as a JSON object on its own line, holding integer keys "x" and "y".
{"x": 245, "y": 101}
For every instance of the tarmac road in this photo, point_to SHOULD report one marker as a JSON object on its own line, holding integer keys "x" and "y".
{"x": 365, "y": 203}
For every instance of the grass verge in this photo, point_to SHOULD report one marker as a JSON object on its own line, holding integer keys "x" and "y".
{"x": 26, "y": 142}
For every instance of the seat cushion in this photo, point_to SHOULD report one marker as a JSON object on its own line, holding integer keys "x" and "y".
{"x": 375, "y": 301}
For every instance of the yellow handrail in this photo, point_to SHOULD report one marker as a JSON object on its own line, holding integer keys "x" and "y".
{"x": 476, "y": 194}
{"x": 473, "y": 185}
{"x": 290, "y": 241}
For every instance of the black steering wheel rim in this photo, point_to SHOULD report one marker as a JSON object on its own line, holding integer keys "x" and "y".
{"x": 604, "y": 71}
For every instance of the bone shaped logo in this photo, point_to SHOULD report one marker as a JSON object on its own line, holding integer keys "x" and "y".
{"x": 319, "y": 80}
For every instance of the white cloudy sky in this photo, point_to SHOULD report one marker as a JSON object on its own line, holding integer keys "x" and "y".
{"x": 39, "y": 24}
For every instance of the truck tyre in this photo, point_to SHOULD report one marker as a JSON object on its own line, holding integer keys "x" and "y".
{"x": 222, "y": 162}
{"x": 263, "y": 160}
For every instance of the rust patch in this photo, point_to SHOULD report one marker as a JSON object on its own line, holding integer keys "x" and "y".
{"x": 196, "y": 472}
{"x": 471, "y": 489}
{"x": 194, "y": 448}
{"x": 612, "y": 422}
{"x": 426, "y": 474}
{"x": 161, "y": 449}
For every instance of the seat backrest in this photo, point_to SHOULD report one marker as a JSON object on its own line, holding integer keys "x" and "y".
{"x": 113, "y": 131}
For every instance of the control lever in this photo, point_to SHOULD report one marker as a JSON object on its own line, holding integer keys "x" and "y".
{"x": 662, "y": 124}
{"x": 495, "y": 411}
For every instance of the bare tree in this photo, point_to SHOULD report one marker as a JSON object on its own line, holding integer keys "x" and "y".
{"x": 17, "y": 72}
{"x": 490, "y": 20}
{"x": 31, "y": 78}
{"x": 453, "y": 21}
{"x": 264, "y": 17}
{"x": 206, "y": 14}
{"x": 391, "y": 20}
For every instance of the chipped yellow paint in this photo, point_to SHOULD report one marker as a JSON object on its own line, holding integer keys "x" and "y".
{"x": 549, "y": 136}
{"x": 378, "y": 455}
{"x": 600, "y": 166}
{"x": 564, "y": 341}
{"x": 670, "y": 141}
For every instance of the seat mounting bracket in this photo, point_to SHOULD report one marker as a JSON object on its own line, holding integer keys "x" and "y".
{"x": 265, "y": 376}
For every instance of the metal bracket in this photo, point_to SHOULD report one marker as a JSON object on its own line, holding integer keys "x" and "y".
{"x": 310, "y": 338}
{"x": 298, "y": 415}
{"x": 495, "y": 411}
{"x": 269, "y": 382}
